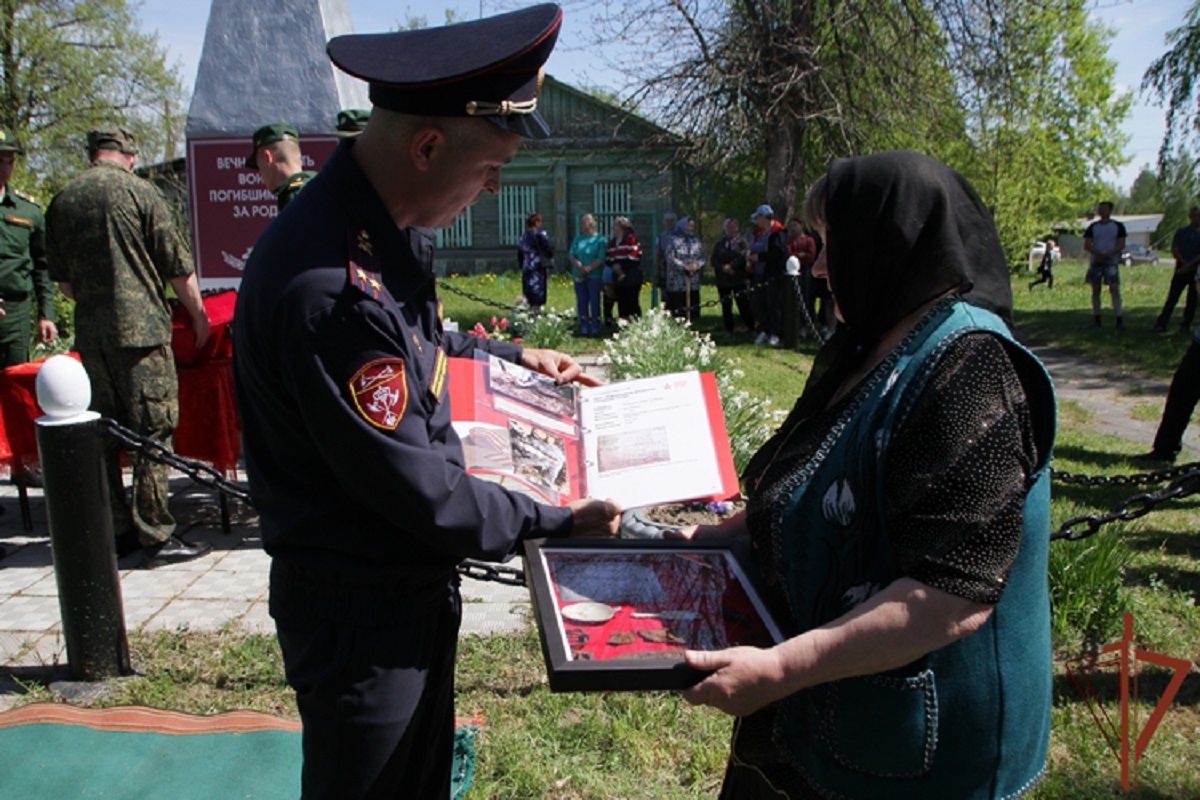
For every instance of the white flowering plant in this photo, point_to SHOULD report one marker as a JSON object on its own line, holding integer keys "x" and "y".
{"x": 659, "y": 344}
{"x": 546, "y": 328}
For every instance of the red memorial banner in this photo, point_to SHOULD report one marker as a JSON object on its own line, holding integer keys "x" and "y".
{"x": 230, "y": 206}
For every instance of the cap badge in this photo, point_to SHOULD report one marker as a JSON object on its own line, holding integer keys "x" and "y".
{"x": 481, "y": 108}
{"x": 380, "y": 392}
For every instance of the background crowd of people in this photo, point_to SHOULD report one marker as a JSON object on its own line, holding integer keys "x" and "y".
{"x": 609, "y": 273}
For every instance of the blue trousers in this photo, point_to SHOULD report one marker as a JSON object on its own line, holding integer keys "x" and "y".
{"x": 587, "y": 306}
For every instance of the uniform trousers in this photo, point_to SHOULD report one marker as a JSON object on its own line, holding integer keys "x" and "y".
{"x": 138, "y": 387}
{"x": 375, "y": 693}
{"x": 14, "y": 332}
{"x": 1181, "y": 402}
{"x": 1180, "y": 282}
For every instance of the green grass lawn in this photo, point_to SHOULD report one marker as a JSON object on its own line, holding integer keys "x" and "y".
{"x": 537, "y": 744}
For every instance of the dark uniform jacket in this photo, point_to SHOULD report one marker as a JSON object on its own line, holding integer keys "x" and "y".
{"x": 23, "y": 253}
{"x": 339, "y": 359}
{"x": 111, "y": 235}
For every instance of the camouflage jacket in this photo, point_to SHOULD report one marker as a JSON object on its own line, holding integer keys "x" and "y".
{"x": 111, "y": 235}
{"x": 23, "y": 253}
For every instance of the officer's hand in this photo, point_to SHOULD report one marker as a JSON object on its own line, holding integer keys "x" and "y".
{"x": 47, "y": 331}
{"x": 559, "y": 366}
{"x": 595, "y": 518}
{"x": 200, "y": 328}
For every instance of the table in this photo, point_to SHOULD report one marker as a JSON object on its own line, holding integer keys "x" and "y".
{"x": 208, "y": 431}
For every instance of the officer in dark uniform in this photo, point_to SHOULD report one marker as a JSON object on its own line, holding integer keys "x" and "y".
{"x": 340, "y": 363}
{"x": 23, "y": 273}
{"x": 276, "y": 156}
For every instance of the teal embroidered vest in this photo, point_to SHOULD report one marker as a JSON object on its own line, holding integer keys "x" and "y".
{"x": 971, "y": 720}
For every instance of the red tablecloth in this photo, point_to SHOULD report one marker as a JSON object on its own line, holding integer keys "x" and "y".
{"x": 208, "y": 430}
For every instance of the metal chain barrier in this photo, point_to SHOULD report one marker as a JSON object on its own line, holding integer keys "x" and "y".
{"x": 198, "y": 471}
{"x": 205, "y": 475}
{"x": 1181, "y": 485}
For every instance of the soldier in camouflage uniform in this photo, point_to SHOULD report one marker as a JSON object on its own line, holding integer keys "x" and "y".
{"x": 23, "y": 273}
{"x": 112, "y": 245}
{"x": 277, "y": 157}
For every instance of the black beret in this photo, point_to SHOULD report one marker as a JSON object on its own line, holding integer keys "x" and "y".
{"x": 489, "y": 68}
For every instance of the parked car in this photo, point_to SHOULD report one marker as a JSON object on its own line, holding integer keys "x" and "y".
{"x": 1038, "y": 249}
{"x": 1138, "y": 254}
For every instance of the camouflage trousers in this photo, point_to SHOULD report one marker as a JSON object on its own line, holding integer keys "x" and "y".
{"x": 138, "y": 387}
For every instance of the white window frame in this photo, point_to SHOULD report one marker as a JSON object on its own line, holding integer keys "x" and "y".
{"x": 517, "y": 201}
{"x": 457, "y": 235}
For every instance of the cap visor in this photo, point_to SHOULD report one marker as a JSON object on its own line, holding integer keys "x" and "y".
{"x": 530, "y": 126}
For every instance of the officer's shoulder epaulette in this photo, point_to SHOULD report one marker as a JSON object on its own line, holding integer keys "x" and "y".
{"x": 361, "y": 262}
{"x": 25, "y": 197}
{"x": 297, "y": 181}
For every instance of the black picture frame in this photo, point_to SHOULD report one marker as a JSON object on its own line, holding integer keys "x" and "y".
{"x": 617, "y": 614}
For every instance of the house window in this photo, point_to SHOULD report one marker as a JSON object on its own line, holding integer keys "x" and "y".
{"x": 458, "y": 234}
{"x": 517, "y": 201}
{"x": 609, "y": 201}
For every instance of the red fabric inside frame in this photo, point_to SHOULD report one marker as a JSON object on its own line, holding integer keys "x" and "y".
{"x": 703, "y": 607}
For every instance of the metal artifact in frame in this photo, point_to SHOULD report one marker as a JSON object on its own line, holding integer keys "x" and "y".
{"x": 618, "y": 615}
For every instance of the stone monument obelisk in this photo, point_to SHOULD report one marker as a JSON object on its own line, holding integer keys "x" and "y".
{"x": 262, "y": 62}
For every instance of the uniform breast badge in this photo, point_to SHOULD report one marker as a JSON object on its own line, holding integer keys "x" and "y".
{"x": 380, "y": 392}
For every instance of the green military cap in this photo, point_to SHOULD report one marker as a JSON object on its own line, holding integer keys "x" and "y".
{"x": 269, "y": 134}
{"x": 9, "y": 142}
{"x": 112, "y": 137}
{"x": 352, "y": 121}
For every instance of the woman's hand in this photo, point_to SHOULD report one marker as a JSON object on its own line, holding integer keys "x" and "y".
{"x": 732, "y": 528}
{"x": 743, "y": 679}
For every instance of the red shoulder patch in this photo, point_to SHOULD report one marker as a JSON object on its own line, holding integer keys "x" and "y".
{"x": 380, "y": 392}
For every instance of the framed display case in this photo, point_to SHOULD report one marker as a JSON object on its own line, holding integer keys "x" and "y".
{"x": 618, "y": 614}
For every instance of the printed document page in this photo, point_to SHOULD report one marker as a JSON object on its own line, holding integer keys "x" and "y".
{"x": 649, "y": 441}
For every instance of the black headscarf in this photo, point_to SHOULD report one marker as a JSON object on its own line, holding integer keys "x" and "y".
{"x": 901, "y": 230}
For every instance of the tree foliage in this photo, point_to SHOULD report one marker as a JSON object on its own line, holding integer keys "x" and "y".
{"x": 1174, "y": 78}
{"x": 1145, "y": 195}
{"x": 67, "y": 66}
{"x": 1179, "y": 186}
{"x": 1017, "y": 94}
{"x": 1038, "y": 91}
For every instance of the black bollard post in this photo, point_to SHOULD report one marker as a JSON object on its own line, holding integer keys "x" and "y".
{"x": 81, "y": 535}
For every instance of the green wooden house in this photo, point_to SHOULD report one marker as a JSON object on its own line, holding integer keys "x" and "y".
{"x": 600, "y": 159}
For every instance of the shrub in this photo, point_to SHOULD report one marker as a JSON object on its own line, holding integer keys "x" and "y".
{"x": 548, "y": 328}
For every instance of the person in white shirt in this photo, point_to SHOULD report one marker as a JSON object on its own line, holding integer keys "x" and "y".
{"x": 1105, "y": 240}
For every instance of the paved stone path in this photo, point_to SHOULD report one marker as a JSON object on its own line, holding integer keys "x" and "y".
{"x": 230, "y": 585}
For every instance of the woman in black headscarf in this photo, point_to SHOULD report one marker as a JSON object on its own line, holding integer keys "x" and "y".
{"x": 900, "y": 518}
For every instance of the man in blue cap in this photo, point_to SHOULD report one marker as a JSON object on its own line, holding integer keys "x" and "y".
{"x": 341, "y": 365}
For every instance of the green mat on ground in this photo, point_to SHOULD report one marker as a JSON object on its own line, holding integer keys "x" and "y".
{"x": 55, "y": 751}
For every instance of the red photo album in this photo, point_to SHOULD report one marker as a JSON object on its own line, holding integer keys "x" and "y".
{"x": 641, "y": 442}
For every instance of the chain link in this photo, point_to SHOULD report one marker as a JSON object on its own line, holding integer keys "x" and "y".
{"x": 496, "y": 573}
{"x": 1185, "y": 482}
{"x": 198, "y": 471}
{"x": 212, "y": 478}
